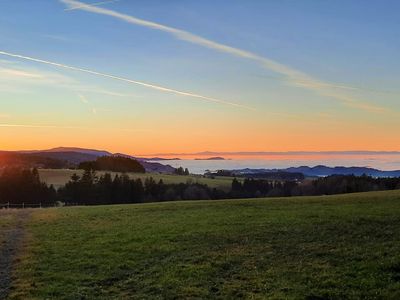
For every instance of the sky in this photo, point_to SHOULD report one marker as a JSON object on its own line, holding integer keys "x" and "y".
{"x": 156, "y": 76}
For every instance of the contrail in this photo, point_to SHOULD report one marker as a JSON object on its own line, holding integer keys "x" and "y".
{"x": 293, "y": 76}
{"x": 148, "y": 85}
{"x": 91, "y": 4}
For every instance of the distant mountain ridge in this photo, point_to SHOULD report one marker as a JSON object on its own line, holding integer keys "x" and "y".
{"x": 67, "y": 157}
{"x": 71, "y": 149}
{"x": 211, "y": 158}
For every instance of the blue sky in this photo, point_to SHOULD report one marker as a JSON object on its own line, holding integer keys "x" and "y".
{"x": 349, "y": 47}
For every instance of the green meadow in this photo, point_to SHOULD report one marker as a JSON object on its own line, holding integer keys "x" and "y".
{"x": 58, "y": 178}
{"x": 328, "y": 247}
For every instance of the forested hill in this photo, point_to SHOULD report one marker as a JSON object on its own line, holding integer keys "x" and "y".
{"x": 113, "y": 163}
{"x": 14, "y": 159}
{"x": 63, "y": 157}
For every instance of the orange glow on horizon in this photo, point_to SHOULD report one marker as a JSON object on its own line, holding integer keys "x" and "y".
{"x": 151, "y": 143}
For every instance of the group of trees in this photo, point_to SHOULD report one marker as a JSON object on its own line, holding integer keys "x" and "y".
{"x": 113, "y": 163}
{"x": 106, "y": 189}
{"x": 19, "y": 186}
{"x": 182, "y": 171}
{"x": 24, "y": 186}
{"x": 255, "y": 188}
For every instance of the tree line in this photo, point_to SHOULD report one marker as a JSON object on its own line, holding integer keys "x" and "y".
{"x": 329, "y": 185}
{"x": 89, "y": 189}
{"x": 24, "y": 186}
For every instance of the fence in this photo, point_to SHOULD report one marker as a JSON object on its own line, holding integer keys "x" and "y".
{"x": 20, "y": 205}
{"x": 9, "y": 205}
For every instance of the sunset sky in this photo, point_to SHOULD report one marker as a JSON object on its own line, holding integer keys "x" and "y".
{"x": 144, "y": 77}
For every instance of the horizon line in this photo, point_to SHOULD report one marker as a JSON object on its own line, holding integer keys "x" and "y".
{"x": 292, "y": 152}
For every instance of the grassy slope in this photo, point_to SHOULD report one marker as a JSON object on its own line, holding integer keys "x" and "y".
{"x": 59, "y": 177}
{"x": 337, "y": 247}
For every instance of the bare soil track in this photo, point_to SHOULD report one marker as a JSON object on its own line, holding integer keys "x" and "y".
{"x": 10, "y": 246}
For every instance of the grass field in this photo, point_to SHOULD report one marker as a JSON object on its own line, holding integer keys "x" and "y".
{"x": 329, "y": 247}
{"x": 58, "y": 177}
{"x": 6, "y": 222}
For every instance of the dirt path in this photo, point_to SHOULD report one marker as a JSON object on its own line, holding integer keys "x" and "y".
{"x": 9, "y": 248}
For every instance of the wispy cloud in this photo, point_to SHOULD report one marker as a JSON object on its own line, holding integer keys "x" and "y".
{"x": 83, "y": 99}
{"x": 15, "y": 78}
{"x": 108, "y": 93}
{"x": 86, "y": 102}
{"x": 6, "y": 62}
{"x": 32, "y": 76}
{"x": 40, "y": 126}
{"x": 338, "y": 85}
{"x": 90, "y": 4}
{"x": 4, "y": 116}
{"x": 144, "y": 84}
{"x": 13, "y": 73}
{"x": 293, "y": 76}
{"x": 58, "y": 38}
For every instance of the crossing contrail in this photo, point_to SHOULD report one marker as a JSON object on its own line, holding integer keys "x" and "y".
{"x": 295, "y": 77}
{"x": 148, "y": 85}
{"x": 91, "y": 4}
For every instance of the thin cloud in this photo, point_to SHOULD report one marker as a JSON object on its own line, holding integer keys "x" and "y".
{"x": 340, "y": 86}
{"x": 13, "y": 73}
{"x": 147, "y": 85}
{"x": 110, "y": 93}
{"x": 293, "y": 76}
{"x": 33, "y": 76}
{"x": 83, "y": 99}
{"x": 38, "y": 126}
{"x": 86, "y": 102}
{"x": 91, "y": 4}
{"x": 7, "y": 62}
{"x": 58, "y": 38}
{"x": 4, "y": 116}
